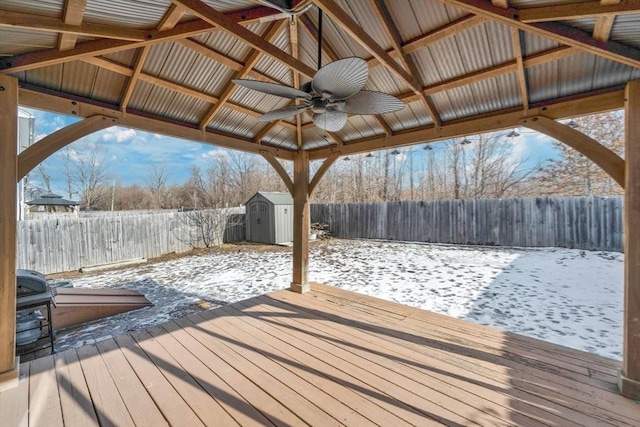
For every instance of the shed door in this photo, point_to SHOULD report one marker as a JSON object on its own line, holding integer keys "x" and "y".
{"x": 260, "y": 224}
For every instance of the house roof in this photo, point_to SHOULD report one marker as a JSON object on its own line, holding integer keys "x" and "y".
{"x": 461, "y": 66}
{"x": 275, "y": 198}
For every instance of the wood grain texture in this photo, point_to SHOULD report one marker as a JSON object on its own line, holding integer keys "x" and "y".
{"x": 8, "y": 218}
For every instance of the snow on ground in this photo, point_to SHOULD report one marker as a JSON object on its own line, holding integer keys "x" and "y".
{"x": 566, "y": 296}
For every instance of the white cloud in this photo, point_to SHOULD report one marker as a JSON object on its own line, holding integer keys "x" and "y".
{"x": 216, "y": 155}
{"x": 118, "y": 134}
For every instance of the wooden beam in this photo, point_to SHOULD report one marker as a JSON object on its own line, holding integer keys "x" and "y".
{"x": 522, "y": 77}
{"x": 351, "y": 27}
{"x": 137, "y": 70}
{"x": 229, "y": 25}
{"x": 79, "y": 107}
{"x": 495, "y": 71}
{"x": 606, "y": 159}
{"x": 589, "y": 9}
{"x": 629, "y": 379}
{"x": 564, "y": 34}
{"x": 168, "y": 21}
{"x": 504, "y": 4}
{"x": 602, "y": 28}
{"x": 463, "y": 24}
{"x": 73, "y": 15}
{"x": 301, "y": 222}
{"x": 41, "y": 150}
{"x": 56, "y": 25}
{"x": 249, "y": 63}
{"x": 172, "y": 17}
{"x": 396, "y": 41}
{"x": 224, "y": 59}
{"x": 322, "y": 170}
{"x": 167, "y": 84}
{"x": 282, "y": 173}
{"x": 585, "y": 104}
{"x": 8, "y": 220}
{"x": 48, "y": 57}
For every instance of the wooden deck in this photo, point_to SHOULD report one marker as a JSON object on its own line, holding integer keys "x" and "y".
{"x": 329, "y": 357}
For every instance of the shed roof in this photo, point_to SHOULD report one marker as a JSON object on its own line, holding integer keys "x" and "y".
{"x": 461, "y": 66}
{"x": 276, "y": 198}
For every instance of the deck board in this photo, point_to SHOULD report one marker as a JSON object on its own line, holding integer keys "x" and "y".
{"x": 328, "y": 357}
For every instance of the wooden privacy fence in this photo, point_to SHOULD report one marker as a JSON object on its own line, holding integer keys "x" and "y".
{"x": 593, "y": 223}
{"x": 67, "y": 243}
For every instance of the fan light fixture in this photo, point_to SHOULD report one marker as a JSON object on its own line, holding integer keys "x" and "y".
{"x": 334, "y": 92}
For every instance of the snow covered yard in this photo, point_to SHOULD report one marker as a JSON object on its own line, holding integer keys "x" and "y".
{"x": 570, "y": 297}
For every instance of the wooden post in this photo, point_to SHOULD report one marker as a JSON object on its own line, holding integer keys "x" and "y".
{"x": 300, "y": 282}
{"x": 8, "y": 218}
{"x": 629, "y": 378}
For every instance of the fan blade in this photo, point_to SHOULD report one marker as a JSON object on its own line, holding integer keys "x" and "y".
{"x": 370, "y": 102}
{"x": 273, "y": 89}
{"x": 342, "y": 78}
{"x": 331, "y": 120}
{"x": 281, "y": 113}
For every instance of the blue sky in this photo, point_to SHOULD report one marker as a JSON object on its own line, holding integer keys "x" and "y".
{"x": 131, "y": 153}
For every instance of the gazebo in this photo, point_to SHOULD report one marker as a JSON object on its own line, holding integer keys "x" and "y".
{"x": 52, "y": 202}
{"x": 462, "y": 67}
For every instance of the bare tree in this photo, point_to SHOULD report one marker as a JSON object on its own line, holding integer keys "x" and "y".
{"x": 91, "y": 174}
{"x": 157, "y": 184}
{"x": 45, "y": 176}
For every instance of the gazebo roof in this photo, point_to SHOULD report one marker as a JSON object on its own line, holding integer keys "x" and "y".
{"x": 461, "y": 66}
{"x": 50, "y": 199}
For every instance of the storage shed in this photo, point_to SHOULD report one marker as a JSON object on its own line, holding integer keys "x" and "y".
{"x": 270, "y": 218}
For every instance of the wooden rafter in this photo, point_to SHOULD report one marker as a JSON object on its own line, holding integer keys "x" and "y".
{"x": 351, "y": 27}
{"x": 516, "y": 36}
{"x": 589, "y": 9}
{"x": 29, "y": 61}
{"x": 84, "y": 108}
{"x": 494, "y": 71}
{"x": 168, "y": 21}
{"x": 167, "y": 84}
{"x": 604, "y": 23}
{"x": 230, "y": 26}
{"x": 73, "y": 15}
{"x": 396, "y": 41}
{"x": 249, "y": 63}
{"x": 137, "y": 70}
{"x": 576, "y": 106}
{"x": 68, "y": 28}
{"x": 561, "y": 33}
{"x": 504, "y": 4}
{"x": 224, "y": 59}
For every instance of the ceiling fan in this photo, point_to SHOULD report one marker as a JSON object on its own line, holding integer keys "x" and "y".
{"x": 334, "y": 92}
